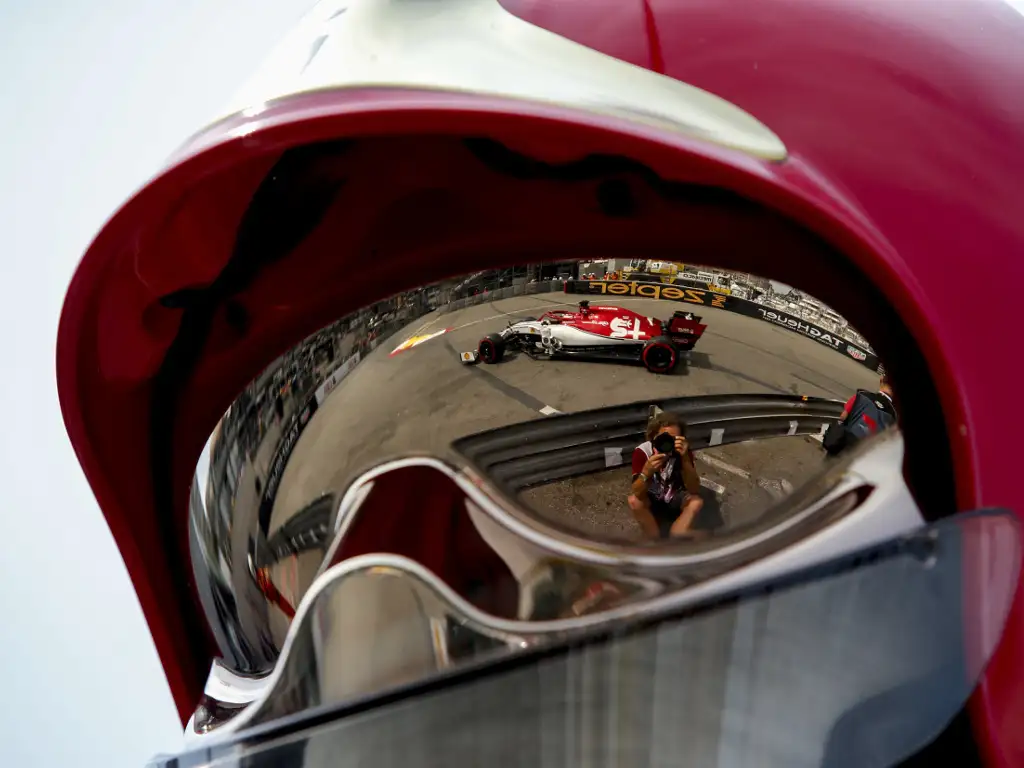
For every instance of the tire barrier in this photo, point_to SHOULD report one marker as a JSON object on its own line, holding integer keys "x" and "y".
{"x": 558, "y": 447}
{"x": 710, "y": 298}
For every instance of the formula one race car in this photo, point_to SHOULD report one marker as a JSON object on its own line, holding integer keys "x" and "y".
{"x": 596, "y": 333}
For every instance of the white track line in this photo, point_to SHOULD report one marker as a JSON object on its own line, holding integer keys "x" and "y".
{"x": 722, "y": 465}
{"x": 711, "y": 485}
{"x": 776, "y": 488}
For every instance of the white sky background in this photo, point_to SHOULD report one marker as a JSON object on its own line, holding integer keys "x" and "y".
{"x": 95, "y": 94}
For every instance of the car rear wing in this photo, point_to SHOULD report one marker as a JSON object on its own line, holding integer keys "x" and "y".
{"x": 685, "y": 324}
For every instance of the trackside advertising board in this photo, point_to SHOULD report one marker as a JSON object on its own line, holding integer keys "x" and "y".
{"x": 709, "y": 298}
{"x": 292, "y": 432}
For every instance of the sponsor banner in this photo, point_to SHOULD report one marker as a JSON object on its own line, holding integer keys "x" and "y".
{"x": 804, "y": 328}
{"x": 289, "y": 438}
{"x": 730, "y": 303}
{"x": 293, "y": 431}
{"x": 680, "y": 279}
{"x": 415, "y": 341}
{"x": 335, "y": 378}
{"x": 650, "y": 291}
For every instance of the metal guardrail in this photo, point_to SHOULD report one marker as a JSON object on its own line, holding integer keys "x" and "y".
{"x": 307, "y": 529}
{"x": 562, "y": 446}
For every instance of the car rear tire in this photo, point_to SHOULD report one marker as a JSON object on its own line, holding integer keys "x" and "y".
{"x": 491, "y": 349}
{"x": 660, "y": 355}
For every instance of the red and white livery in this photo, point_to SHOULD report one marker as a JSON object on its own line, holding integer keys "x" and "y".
{"x": 596, "y": 333}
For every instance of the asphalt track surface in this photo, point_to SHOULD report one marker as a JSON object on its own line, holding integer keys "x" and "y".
{"x": 416, "y": 402}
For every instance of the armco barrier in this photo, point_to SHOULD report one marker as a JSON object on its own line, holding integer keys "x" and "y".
{"x": 681, "y": 293}
{"x": 567, "y": 445}
{"x": 305, "y": 530}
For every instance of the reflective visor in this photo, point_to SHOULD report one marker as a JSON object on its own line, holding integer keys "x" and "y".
{"x": 859, "y": 661}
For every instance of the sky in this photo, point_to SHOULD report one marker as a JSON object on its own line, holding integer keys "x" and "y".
{"x": 95, "y": 94}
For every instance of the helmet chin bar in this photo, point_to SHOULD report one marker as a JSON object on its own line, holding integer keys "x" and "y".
{"x": 379, "y": 615}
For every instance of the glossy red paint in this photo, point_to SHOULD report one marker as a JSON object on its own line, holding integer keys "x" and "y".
{"x": 905, "y": 131}
{"x": 599, "y": 320}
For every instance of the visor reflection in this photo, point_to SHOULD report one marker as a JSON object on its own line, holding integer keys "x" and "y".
{"x": 858, "y": 662}
{"x": 538, "y": 400}
{"x": 396, "y": 377}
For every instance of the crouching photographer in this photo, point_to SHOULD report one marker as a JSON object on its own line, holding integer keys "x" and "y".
{"x": 665, "y": 485}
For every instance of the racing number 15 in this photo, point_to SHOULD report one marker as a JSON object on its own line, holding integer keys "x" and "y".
{"x": 620, "y": 328}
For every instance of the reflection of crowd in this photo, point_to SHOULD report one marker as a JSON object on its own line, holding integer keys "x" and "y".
{"x": 788, "y": 300}
{"x": 243, "y": 451}
{"x": 813, "y": 311}
{"x": 482, "y": 283}
{"x": 249, "y": 432}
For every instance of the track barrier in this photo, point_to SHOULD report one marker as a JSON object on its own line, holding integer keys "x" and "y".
{"x": 561, "y": 446}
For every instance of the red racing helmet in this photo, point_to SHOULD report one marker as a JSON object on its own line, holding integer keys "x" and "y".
{"x": 400, "y": 168}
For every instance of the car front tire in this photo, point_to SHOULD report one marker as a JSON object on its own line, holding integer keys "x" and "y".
{"x": 491, "y": 348}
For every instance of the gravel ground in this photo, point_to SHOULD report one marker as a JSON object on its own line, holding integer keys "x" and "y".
{"x": 595, "y": 505}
